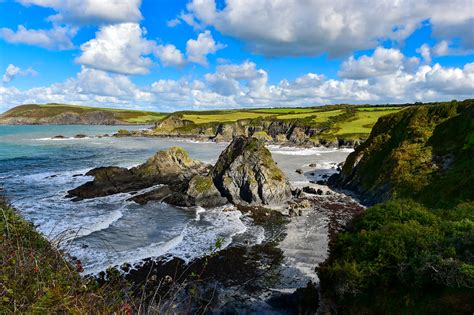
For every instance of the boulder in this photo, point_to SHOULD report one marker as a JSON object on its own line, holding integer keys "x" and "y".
{"x": 246, "y": 174}
{"x": 204, "y": 192}
{"x": 299, "y": 171}
{"x": 170, "y": 166}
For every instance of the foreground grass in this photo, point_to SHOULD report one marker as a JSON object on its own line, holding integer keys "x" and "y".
{"x": 36, "y": 278}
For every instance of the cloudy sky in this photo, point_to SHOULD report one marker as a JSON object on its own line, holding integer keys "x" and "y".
{"x": 205, "y": 54}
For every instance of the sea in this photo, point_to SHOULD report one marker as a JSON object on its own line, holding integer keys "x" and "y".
{"x": 36, "y": 171}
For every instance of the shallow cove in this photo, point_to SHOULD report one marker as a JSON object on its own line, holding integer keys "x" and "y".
{"x": 36, "y": 172}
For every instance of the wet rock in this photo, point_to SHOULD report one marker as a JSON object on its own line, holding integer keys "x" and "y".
{"x": 299, "y": 171}
{"x": 312, "y": 190}
{"x": 59, "y": 137}
{"x": 296, "y": 192}
{"x": 312, "y": 165}
{"x": 80, "y": 136}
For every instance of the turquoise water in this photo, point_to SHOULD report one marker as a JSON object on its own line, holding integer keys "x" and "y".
{"x": 37, "y": 171}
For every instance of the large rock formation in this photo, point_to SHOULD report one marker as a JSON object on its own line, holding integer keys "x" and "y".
{"x": 246, "y": 174}
{"x": 170, "y": 167}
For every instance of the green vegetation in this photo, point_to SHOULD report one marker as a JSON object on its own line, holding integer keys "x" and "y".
{"x": 414, "y": 153}
{"x": 37, "y": 113}
{"x": 36, "y": 278}
{"x": 401, "y": 257}
{"x": 224, "y": 117}
{"x": 362, "y": 122}
{"x": 415, "y": 252}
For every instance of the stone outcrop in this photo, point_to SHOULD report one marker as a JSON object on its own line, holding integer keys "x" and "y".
{"x": 246, "y": 174}
{"x": 170, "y": 167}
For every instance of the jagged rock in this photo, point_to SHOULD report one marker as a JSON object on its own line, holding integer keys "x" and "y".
{"x": 204, "y": 192}
{"x": 246, "y": 174}
{"x": 172, "y": 166}
{"x": 158, "y": 194}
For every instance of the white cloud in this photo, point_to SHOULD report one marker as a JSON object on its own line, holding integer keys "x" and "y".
{"x": 119, "y": 48}
{"x": 56, "y": 38}
{"x": 169, "y": 55}
{"x": 425, "y": 52}
{"x": 198, "y": 49}
{"x": 12, "y": 71}
{"x": 302, "y": 27}
{"x": 91, "y": 11}
{"x": 245, "y": 85}
{"x": 173, "y": 22}
{"x": 383, "y": 61}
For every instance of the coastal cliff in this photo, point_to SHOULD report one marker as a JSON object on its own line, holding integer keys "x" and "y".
{"x": 413, "y": 153}
{"x": 413, "y": 253}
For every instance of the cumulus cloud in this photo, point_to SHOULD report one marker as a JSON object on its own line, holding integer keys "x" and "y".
{"x": 56, "y": 38}
{"x": 198, "y": 49}
{"x": 91, "y": 11}
{"x": 383, "y": 61}
{"x": 337, "y": 28}
{"x": 246, "y": 85}
{"x": 119, "y": 48}
{"x": 12, "y": 71}
{"x": 169, "y": 55}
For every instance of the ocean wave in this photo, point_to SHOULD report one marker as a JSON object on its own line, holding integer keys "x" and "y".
{"x": 98, "y": 261}
{"x": 97, "y": 224}
{"x": 200, "y": 236}
{"x": 277, "y": 149}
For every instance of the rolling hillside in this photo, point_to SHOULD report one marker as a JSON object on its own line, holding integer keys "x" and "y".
{"x": 56, "y": 114}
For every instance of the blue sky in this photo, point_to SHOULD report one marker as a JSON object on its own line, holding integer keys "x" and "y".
{"x": 173, "y": 55}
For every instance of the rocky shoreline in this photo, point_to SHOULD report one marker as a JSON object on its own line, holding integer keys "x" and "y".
{"x": 265, "y": 277}
{"x": 276, "y": 274}
{"x": 271, "y": 131}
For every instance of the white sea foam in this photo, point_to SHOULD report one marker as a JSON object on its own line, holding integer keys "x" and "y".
{"x": 63, "y": 139}
{"x": 97, "y": 261}
{"x": 199, "y": 210}
{"x": 277, "y": 149}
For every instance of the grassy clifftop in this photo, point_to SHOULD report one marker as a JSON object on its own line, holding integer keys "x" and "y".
{"x": 331, "y": 122}
{"x": 414, "y": 153}
{"x": 72, "y": 114}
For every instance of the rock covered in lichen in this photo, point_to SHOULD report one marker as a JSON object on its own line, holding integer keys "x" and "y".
{"x": 246, "y": 174}
{"x": 204, "y": 192}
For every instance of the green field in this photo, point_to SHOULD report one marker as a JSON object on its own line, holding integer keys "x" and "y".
{"x": 335, "y": 120}
{"x": 286, "y": 110}
{"x": 202, "y": 118}
{"x": 362, "y": 122}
